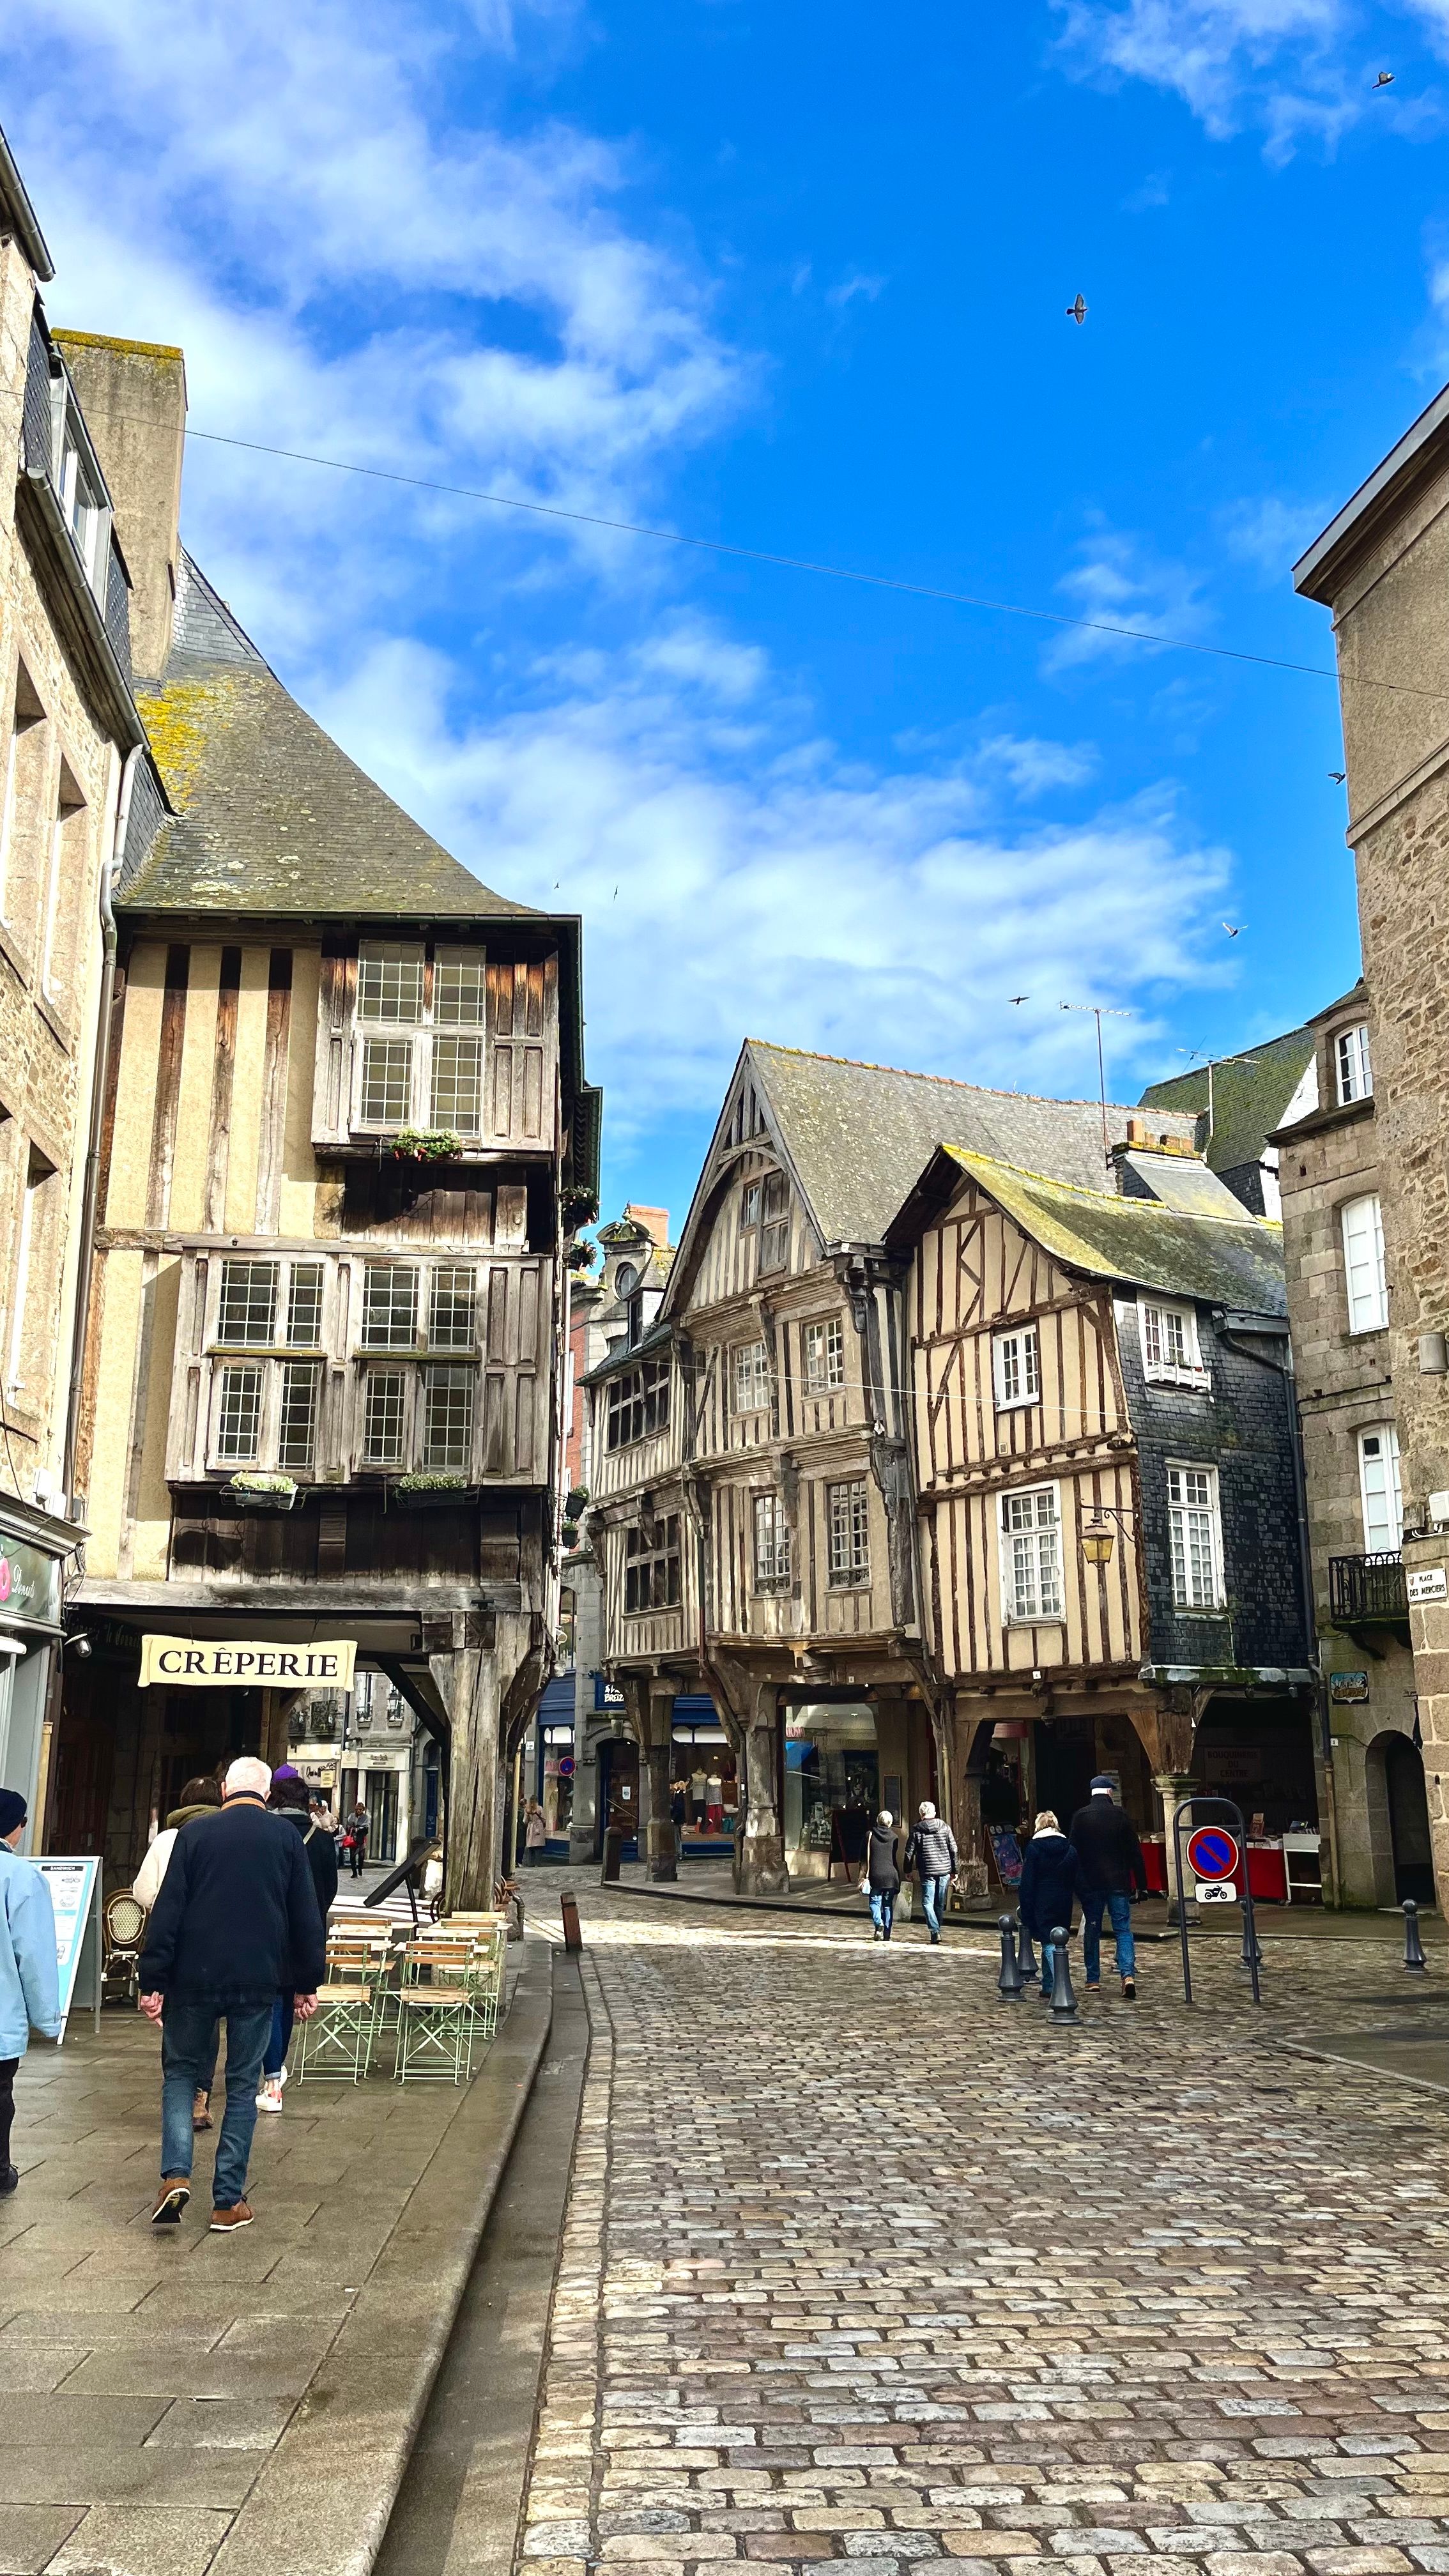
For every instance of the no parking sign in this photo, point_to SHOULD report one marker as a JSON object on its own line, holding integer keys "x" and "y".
{"x": 1214, "y": 1857}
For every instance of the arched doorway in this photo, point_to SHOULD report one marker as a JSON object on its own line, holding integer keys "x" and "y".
{"x": 1409, "y": 1821}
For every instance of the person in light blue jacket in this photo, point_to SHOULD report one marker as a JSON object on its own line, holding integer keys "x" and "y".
{"x": 29, "y": 1977}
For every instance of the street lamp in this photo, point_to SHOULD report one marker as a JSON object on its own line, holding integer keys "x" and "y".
{"x": 1098, "y": 1536}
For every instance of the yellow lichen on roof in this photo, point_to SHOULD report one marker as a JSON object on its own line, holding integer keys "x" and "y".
{"x": 130, "y": 348}
{"x": 179, "y": 722}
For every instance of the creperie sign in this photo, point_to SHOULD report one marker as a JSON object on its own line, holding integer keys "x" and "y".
{"x": 326, "y": 1664}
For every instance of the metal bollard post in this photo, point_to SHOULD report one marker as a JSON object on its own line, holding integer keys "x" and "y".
{"x": 1413, "y": 1946}
{"x": 1008, "y": 1984}
{"x": 1064, "y": 2002}
{"x": 569, "y": 1908}
{"x": 1252, "y": 1947}
{"x": 1025, "y": 1954}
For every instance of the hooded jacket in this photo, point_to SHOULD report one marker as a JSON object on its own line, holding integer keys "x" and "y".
{"x": 29, "y": 1976}
{"x": 1051, "y": 1877}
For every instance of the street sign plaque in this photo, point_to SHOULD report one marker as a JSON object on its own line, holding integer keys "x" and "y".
{"x": 1213, "y": 1853}
{"x": 1215, "y": 1891}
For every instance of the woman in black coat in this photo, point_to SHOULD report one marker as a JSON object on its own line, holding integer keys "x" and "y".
{"x": 1051, "y": 1878}
{"x": 882, "y": 1875}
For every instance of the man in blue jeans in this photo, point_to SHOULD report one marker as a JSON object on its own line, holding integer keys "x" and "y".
{"x": 1107, "y": 1846}
{"x": 931, "y": 1851}
{"x": 236, "y": 1923}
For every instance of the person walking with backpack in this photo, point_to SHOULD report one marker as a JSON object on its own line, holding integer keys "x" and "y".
{"x": 200, "y": 1797}
{"x": 29, "y": 1972}
{"x": 1107, "y": 1844}
{"x": 881, "y": 1877}
{"x": 931, "y": 1852}
{"x": 235, "y": 1925}
{"x": 1051, "y": 1877}
{"x": 291, "y": 1798}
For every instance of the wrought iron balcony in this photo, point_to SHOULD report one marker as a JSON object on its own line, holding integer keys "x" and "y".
{"x": 1365, "y": 1591}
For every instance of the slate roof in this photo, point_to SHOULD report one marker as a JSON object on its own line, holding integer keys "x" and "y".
{"x": 859, "y": 1134}
{"x": 1250, "y": 1094}
{"x": 1235, "y": 1262}
{"x": 270, "y": 817}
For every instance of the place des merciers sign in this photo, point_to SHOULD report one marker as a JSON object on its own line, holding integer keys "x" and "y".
{"x": 211, "y": 1663}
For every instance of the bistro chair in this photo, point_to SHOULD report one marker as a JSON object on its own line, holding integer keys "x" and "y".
{"x": 438, "y": 2005}
{"x": 490, "y": 1936}
{"x": 123, "y": 1934}
{"x": 337, "y": 2043}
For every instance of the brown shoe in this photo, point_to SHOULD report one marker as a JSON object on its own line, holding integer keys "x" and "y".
{"x": 174, "y": 2195}
{"x": 224, "y": 2222}
{"x": 200, "y": 2112}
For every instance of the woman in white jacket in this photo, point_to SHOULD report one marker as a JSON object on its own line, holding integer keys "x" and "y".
{"x": 198, "y": 1798}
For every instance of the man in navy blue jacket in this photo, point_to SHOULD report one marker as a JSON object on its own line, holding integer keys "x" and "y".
{"x": 235, "y": 1924}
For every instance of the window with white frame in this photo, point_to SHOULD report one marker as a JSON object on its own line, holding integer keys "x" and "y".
{"x": 1016, "y": 1367}
{"x": 772, "y": 1543}
{"x": 297, "y": 1422}
{"x": 848, "y": 1519}
{"x": 1365, "y": 1278}
{"x": 1031, "y": 1554}
{"x": 389, "y": 1307}
{"x": 1171, "y": 1349}
{"x": 247, "y": 1312}
{"x": 384, "y": 1412}
{"x": 824, "y": 1355}
{"x": 1351, "y": 1057}
{"x": 421, "y": 1025}
{"x": 1194, "y": 1530}
{"x": 447, "y": 1417}
{"x": 750, "y": 1381}
{"x": 239, "y": 1413}
{"x": 1380, "y": 1490}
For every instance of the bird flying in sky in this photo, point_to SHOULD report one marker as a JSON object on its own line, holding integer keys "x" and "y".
{"x": 1232, "y": 933}
{"x": 1078, "y": 312}
{"x": 1338, "y": 776}
{"x": 1014, "y": 998}
{"x": 1384, "y": 81}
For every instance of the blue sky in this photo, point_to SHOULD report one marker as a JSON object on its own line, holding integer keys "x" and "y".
{"x": 796, "y": 277}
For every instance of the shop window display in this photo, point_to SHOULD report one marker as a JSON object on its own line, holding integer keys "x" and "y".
{"x": 832, "y": 1769}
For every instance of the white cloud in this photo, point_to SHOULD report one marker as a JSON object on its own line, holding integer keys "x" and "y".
{"x": 1278, "y": 64}
{"x": 1269, "y": 534}
{"x": 737, "y": 875}
{"x": 1118, "y": 581}
{"x": 850, "y": 287}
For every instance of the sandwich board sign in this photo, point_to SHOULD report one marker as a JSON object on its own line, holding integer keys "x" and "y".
{"x": 75, "y": 1896}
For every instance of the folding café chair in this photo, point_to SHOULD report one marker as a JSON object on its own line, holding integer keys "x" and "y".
{"x": 337, "y": 2043}
{"x": 437, "y": 2007}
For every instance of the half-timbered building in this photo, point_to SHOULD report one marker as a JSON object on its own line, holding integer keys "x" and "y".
{"x": 752, "y": 1502}
{"x": 1103, "y": 1422}
{"x": 345, "y": 1112}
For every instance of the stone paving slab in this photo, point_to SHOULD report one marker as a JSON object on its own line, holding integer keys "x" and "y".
{"x": 863, "y": 2263}
{"x": 151, "y": 2382}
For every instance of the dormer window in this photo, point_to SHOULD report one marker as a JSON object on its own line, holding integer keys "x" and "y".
{"x": 420, "y": 1026}
{"x": 1171, "y": 1351}
{"x": 1351, "y": 1060}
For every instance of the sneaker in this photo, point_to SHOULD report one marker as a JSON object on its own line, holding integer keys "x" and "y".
{"x": 877, "y": 1936}
{"x": 1096, "y": 1989}
{"x": 225, "y": 2222}
{"x": 174, "y": 2195}
{"x": 270, "y": 2096}
{"x": 9, "y": 2180}
{"x": 200, "y": 2112}
{"x": 1129, "y": 1990}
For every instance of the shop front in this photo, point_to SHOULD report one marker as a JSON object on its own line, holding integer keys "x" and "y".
{"x": 30, "y": 1642}
{"x": 554, "y": 1764}
{"x": 704, "y": 1781}
{"x": 844, "y": 1760}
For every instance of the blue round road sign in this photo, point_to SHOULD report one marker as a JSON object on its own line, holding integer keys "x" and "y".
{"x": 1212, "y": 1852}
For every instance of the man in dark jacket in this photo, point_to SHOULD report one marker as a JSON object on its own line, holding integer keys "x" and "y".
{"x": 291, "y": 1798}
{"x": 1105, "y": 1842}
{"x": 931, "y": 1851}
{"x": 236, "y": 1923}
{"x": 1051, "y": 1877}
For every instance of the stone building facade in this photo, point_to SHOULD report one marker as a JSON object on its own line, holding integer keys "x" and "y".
{"x": 70, "y": 743}
{"x": 1332, "y": 1190}
{"x": 1382, "y": 567}
{"x": 345, "y": 1134}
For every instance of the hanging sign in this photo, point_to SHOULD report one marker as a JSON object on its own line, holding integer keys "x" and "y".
{"x": 327, "y": 1664}
{"x": 75, "y": 1898}
{"x": 29, "y": 1583}
{"x": 1348, "y": 1686}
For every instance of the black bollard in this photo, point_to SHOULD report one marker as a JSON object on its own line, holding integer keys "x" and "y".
{"x": 1413, "y": 1946}
{"x": 1008, "y": 1984}
{"x": 1064, "y": 2002}
{"x": 1025, "y": 1955}
{"x": 1252, "y": 1947}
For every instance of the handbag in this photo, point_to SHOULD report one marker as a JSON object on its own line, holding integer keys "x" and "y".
{"x": 347, "y": 1843}
{"x": 865, "y": 1886}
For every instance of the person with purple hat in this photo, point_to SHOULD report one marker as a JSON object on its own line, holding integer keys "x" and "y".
{"x": 291, "y": 1797}
{"x": 29, "y": 1974}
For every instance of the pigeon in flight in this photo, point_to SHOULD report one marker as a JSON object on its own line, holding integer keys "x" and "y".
{"x": 1384, "y": 81}
{"x": 1078, "y": 312}
{"x": 1338, "y": 776}
{"x": 1232, "y": 933}
{"x": 1014, "y": 998}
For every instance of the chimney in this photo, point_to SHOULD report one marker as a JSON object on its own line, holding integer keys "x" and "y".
{"x": 134, "y": 400}
{"x": 655, "y": 1222}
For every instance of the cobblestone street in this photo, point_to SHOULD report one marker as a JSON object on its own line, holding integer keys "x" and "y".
{"x": 862, "y": 2262}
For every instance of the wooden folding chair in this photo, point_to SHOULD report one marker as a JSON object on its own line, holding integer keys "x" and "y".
{"x": 337, "y": 2043}
{"x": 438, "y": 2006}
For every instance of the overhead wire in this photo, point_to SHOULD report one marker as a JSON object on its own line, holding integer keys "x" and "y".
{"x": 810, "y": 564}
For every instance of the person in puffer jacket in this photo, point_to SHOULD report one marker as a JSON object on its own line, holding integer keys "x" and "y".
{"x": 931, "y": 1852}
{"x": 1051, "y": 1879}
